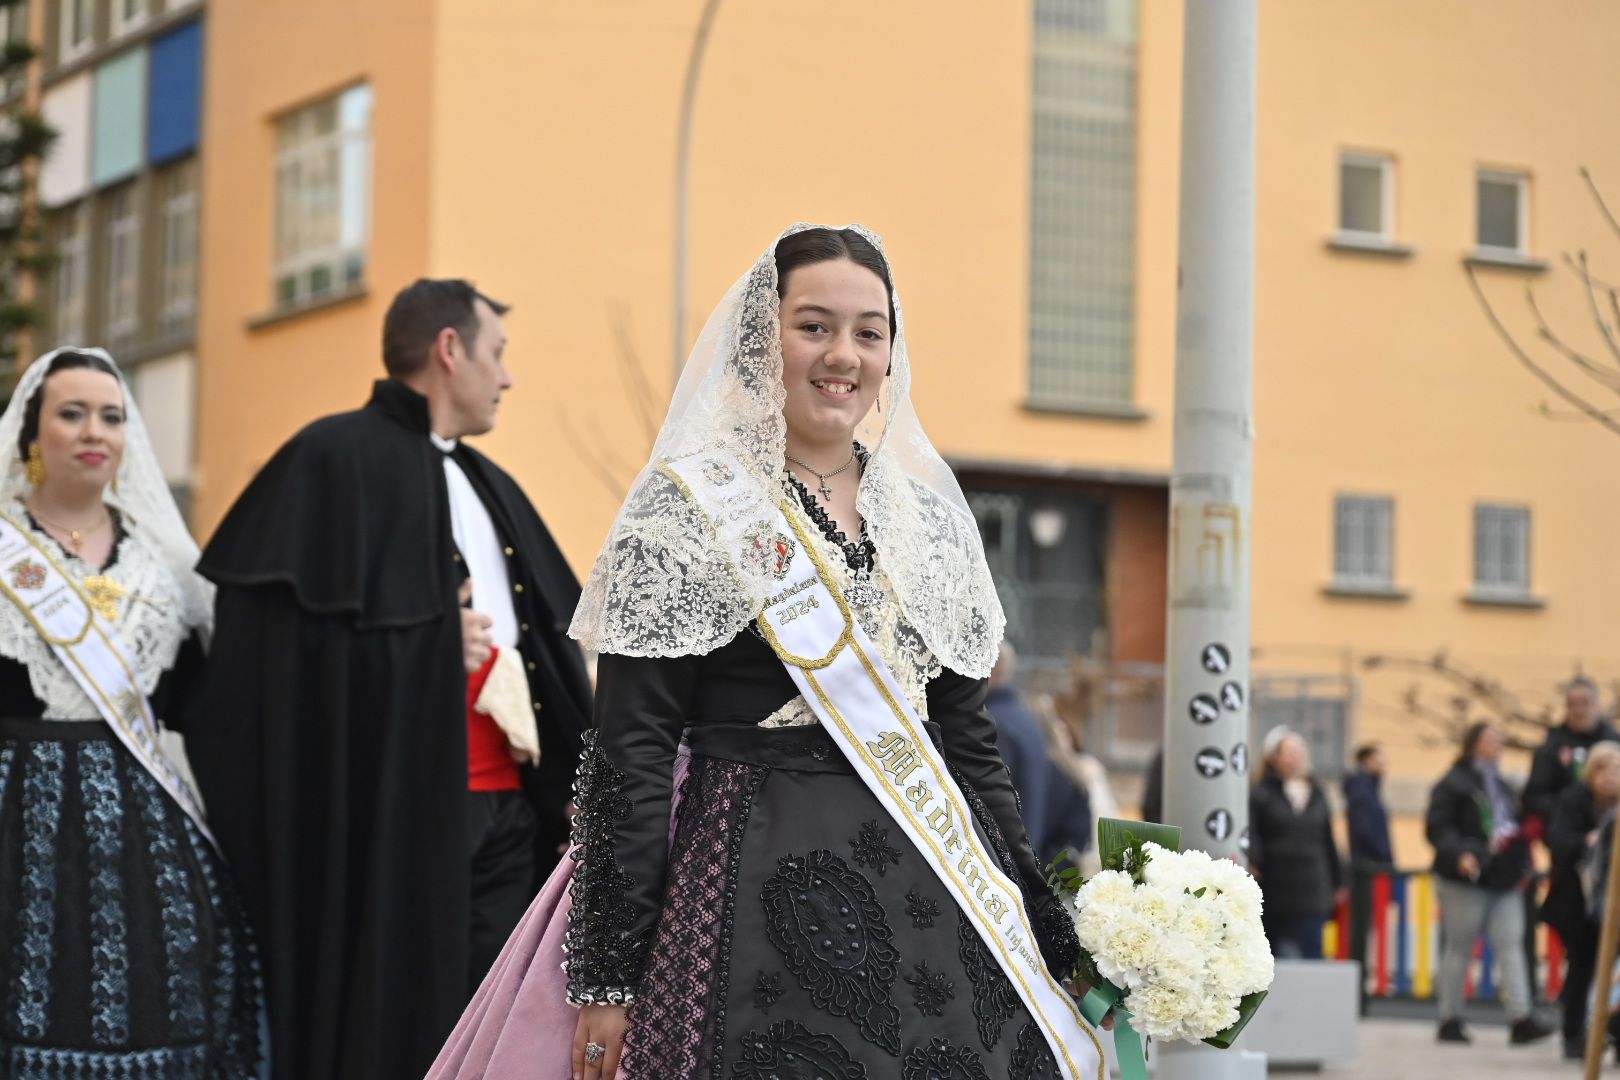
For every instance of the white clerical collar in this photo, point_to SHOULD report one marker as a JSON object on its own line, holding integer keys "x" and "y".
{"x": 444, "y": 444}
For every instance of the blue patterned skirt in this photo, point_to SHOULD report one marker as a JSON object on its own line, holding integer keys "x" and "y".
{"x": 123, "y": 950}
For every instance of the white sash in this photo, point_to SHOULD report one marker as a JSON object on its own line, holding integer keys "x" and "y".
{"x": 89, "y": 648}
{"x": 859, "y": 702}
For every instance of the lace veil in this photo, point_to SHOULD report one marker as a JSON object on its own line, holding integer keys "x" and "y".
{"x": 140, "y": 493}
{"x": 663, "y": 586}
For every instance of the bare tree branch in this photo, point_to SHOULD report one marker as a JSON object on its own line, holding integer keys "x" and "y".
{"x": 633, "y": 374}
{"x": 588, "y": 459}
{"x": 1591, "y": 411}
{"x": 1610, "y": 380}
{"x": 1585, "y": 274}
{"x": 1597, "y": 197}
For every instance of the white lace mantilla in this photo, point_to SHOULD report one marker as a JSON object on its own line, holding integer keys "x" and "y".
{"x": 663, "y": 586}
{"x": 898, "y": 642}
{"x": 147, "y": 623}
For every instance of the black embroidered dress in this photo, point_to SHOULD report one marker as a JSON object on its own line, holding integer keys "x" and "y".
{"x": 786, "y": 926}
{"x": 123, "y": 951}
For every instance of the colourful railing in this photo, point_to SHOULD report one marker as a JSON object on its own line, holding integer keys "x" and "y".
{"x": 1403, "y": 943}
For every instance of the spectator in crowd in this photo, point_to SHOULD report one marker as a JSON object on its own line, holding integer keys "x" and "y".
{"x": 1067, "y": 748}
{"x": 1364, "y": 810}
{"x": 1481, "y": 861}
{"x": 1558, "y": 763}
{"x": 1056, "y": 810}
{"x": 1370, "y": 854}
{"x": 1572, "y": 835}
{"x": 1291, "y": 848}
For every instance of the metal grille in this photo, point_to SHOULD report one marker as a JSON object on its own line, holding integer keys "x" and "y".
{"x": 1045, "y": 551}
{"x": 1318, "y": 707}
{"x": 1362, "y": 539}
{"x": 1502, "y": 549}
{"x": 1082, "y": 202}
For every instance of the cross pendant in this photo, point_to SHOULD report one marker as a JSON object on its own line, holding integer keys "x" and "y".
{"x": 826, "y": 492}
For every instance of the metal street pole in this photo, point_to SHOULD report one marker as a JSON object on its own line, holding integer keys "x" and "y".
{"x": 683, "y": 155}
{"x": 1207, "y": 755}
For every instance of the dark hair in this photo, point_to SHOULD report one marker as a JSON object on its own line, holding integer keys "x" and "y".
{"x": 66, "y": 360}
{"x": 825, "y": 245}
{"x": 1581, "y": 682}
{"x": 1365, "y": 751}
{"x": 1470, "y": 740}
{"x": 420, "y": 311}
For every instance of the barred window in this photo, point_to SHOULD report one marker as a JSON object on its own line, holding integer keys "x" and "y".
{"x": 1501, "y": 549}
{"x": 323, "y": 197}
{"x": 1083, "y": 203}
{"x": 1363, "y": 540}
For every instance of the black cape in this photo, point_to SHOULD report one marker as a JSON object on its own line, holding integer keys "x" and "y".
{"x": 333, "y": 752}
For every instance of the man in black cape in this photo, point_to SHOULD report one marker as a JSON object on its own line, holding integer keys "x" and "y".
{"x": 381, "y": 865}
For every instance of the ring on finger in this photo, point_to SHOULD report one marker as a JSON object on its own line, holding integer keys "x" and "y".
{"x": 594, "y": 1052}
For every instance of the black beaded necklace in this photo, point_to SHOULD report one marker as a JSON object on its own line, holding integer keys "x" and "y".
{"x": 861, "y": 556}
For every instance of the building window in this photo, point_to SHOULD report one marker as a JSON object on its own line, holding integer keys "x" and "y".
{"x": 128, "y": 15}
{"x": 1501, "y": 550}
{"x": 75, "y": 28}
{"x": 1504, "y": 212}
{"x": 122, "y": 251}
{"x": 1083, "y": 204}
{"x": 1367, "y": 197}
{"x": 13, "y": 28}
{"x": 1363, "y": 530}
{"x": 1046, "y": 551}
{"x": 177, "y": 272}
{"x": 70, "y": 277}
{"x": 323, "y": 197}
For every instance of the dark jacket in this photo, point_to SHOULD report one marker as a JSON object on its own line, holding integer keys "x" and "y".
{"x": 1574, "y": 815}
{"x": 1153, "y": 789}
{"x": 1293, "y": 852}
{"x": 1367, "y": 820}
{"x": 1557, "y": 764}
{"x": 1456, "y": 823}
{"x": 334, "y": 756}
{"x": 1056, "y": 810}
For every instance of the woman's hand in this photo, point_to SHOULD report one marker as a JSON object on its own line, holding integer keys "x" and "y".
{"x": 1078, "y": 989}
{"x": 603, "y": 1025}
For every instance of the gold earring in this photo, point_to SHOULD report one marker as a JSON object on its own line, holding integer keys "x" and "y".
{"x": 36, "y": 465}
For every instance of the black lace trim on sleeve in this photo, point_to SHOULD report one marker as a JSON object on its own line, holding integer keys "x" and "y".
{"x": 604, "y": 953}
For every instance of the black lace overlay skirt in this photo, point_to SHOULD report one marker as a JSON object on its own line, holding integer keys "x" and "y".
{"x": 123, "y": 951}
{"x": 803, "y": 936}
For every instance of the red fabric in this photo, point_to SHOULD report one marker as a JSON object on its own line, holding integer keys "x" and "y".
{"x": 489, "y": 766}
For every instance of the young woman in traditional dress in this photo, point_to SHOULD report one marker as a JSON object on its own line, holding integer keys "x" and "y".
{"x": 798, "y": 852}
{"x": 123, "y": 952}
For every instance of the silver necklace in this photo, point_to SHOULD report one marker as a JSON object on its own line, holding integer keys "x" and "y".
{"x": 826, "y": 492}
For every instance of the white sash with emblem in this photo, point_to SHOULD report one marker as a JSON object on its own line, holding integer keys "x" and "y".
{"x": 88, "y": 647}
{"x": 858, "y": 700}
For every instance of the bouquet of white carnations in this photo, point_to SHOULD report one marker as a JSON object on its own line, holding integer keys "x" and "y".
{"x": 1171, "y": 940}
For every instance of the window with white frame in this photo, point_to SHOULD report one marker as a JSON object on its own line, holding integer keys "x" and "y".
{"x": 121, "y": 248}
{"x": 323, "y": 197}
{"x": 1367, "y": 197}
{"x": 70, "y": 276}
{"x": 177, "y": 270}
{"x": 1363, "y": 541}
{"x": 129, "y": 15}
{"x": 1501, "y": 550}
{"x": 1503, "y": 202}
{"x": 1083, "y": 204}
{"x": 75, "y": 28}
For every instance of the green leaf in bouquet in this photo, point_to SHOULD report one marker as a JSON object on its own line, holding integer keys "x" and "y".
{"x": 1246, "y": 1010}
{"x": 1118, "y": 838}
